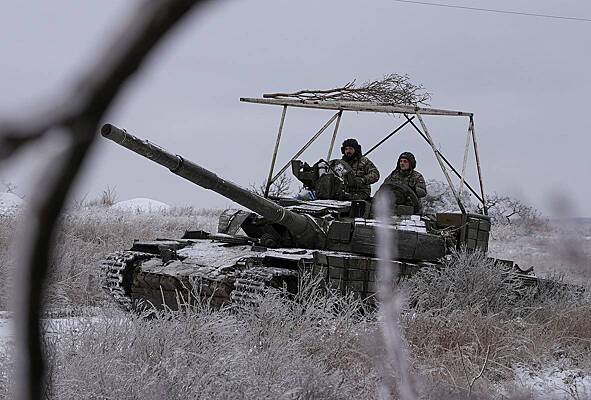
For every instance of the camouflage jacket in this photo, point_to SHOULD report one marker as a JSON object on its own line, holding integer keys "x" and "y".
{"x": 415, "y": 180}
{"x": 364, "y": 169}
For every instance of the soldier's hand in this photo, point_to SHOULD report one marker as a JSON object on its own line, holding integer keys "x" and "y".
{"x": 359, "y": 181}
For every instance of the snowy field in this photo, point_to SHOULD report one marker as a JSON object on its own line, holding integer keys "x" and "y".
{"x": 564, "y": 247}
{"x": 284, "y": 350}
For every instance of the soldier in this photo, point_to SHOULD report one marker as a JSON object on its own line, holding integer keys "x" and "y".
{"x": 405, "y": 173}
{"x": 363, "y": 173}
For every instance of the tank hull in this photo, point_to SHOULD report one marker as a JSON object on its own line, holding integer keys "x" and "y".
{"x": 219, "y": 273}
{"x": 228, "y": 270}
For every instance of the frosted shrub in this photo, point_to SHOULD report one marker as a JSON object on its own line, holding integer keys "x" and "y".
{"x": 465, "y": 281}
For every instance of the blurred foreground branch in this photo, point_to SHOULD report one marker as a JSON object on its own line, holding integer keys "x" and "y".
{"x": 78, "y": 116}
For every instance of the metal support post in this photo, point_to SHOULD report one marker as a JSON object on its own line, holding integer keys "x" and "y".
{"x": 484, "y": 208}
{"x": 466, "y": 150}
{"x": 445, "y": 160}
{"x": 269, "y": 182}
{"x": 334, "y": 135}
{"x": 299, "y": 153}
{"x": 438, "y": 156}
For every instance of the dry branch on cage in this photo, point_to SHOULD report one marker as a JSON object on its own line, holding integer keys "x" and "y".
{"x": 392, "y": 89}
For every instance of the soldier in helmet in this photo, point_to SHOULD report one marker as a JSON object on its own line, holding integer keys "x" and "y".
{"x": 405, "y": 173}
{"x": 363, "y": 174}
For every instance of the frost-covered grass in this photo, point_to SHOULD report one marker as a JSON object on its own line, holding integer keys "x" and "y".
{"x": 86, "y": 235}
{"x": 322, "y": 345}
{"x": 307, "y": 347}
{"x": 465, "y": 319}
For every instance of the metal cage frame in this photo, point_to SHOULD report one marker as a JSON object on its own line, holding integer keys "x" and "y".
{"x": 409, "y": 112}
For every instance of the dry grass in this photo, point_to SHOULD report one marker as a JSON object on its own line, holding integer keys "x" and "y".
{"x": 467, "y": 318}
{"x": 85, "y": 236}
{"x": 283, "y": 348}
{"x": 466, "y": 333}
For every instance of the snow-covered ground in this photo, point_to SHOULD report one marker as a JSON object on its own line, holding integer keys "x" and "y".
{"x": 563, "y": 248}
{"x": 9, "y": 203}
{"x": 141, "y": 205}
{"x": 554, "y": 382}
{"x": 5, "y": 328}
{"x": 51, "y": 326}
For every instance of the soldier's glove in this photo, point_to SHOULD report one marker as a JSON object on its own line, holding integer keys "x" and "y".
{"x": 359, "y": 181}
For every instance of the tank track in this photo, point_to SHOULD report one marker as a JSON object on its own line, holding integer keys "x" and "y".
{"x": 252, "y": 282}
{"x": 115, "y": 269}
{"x": 250, "y": 285}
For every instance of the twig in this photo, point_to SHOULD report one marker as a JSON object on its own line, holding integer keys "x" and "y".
{"x": 472, "y": 381}
{"x": 390, "y": 306}
{"x": 463, "y": 364}
{"x": 392, "y": 89}
{"x": 479, "y": 373}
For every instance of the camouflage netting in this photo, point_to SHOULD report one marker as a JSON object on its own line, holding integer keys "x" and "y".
{"x": 392, "y": 89}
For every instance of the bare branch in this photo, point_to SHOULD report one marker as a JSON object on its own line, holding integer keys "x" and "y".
{"x": 79, "y": 116}
{"x": 392, "y": 89}
{"x": 463, "y": 363}
{"x": 473, "y": 381}
{"x": 281, "y": 187}
{"x": 506, "y": 210}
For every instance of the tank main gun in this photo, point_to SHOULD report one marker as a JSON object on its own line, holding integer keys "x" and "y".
{"x": 304, "y": 228}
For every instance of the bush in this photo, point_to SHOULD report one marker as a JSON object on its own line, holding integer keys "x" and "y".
{"x": 466, "y": 281}
{"x": 440, "y": 198}
{"x": 505, "y": 210}
{"x": 107, "y": 198}
{"x": 468, "y": 317}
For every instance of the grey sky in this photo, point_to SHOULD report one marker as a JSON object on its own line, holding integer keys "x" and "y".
{"x": 526, "y": 79}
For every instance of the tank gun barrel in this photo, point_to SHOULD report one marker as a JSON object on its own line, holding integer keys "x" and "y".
{"x": 297, "y": 224}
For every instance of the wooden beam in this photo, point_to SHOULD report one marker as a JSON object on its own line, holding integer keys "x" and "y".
{"x": 357, "y": 106}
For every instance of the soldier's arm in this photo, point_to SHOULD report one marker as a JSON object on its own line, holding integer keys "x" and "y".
{"x": 372, "y": 175}
{"x": 421, "y": 186}
{"x": 389, "y": 179}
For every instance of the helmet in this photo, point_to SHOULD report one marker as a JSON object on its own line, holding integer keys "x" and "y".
{"x": 410, "y": 157}
{"x": 351, "y": 143}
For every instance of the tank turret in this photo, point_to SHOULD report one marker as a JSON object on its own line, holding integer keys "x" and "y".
{"x": 303, "y": 228}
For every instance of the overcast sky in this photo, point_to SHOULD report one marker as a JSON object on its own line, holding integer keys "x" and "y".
{"x": 525, "y": 78}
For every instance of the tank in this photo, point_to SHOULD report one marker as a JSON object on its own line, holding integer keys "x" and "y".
{"x": 273, "y": 241}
